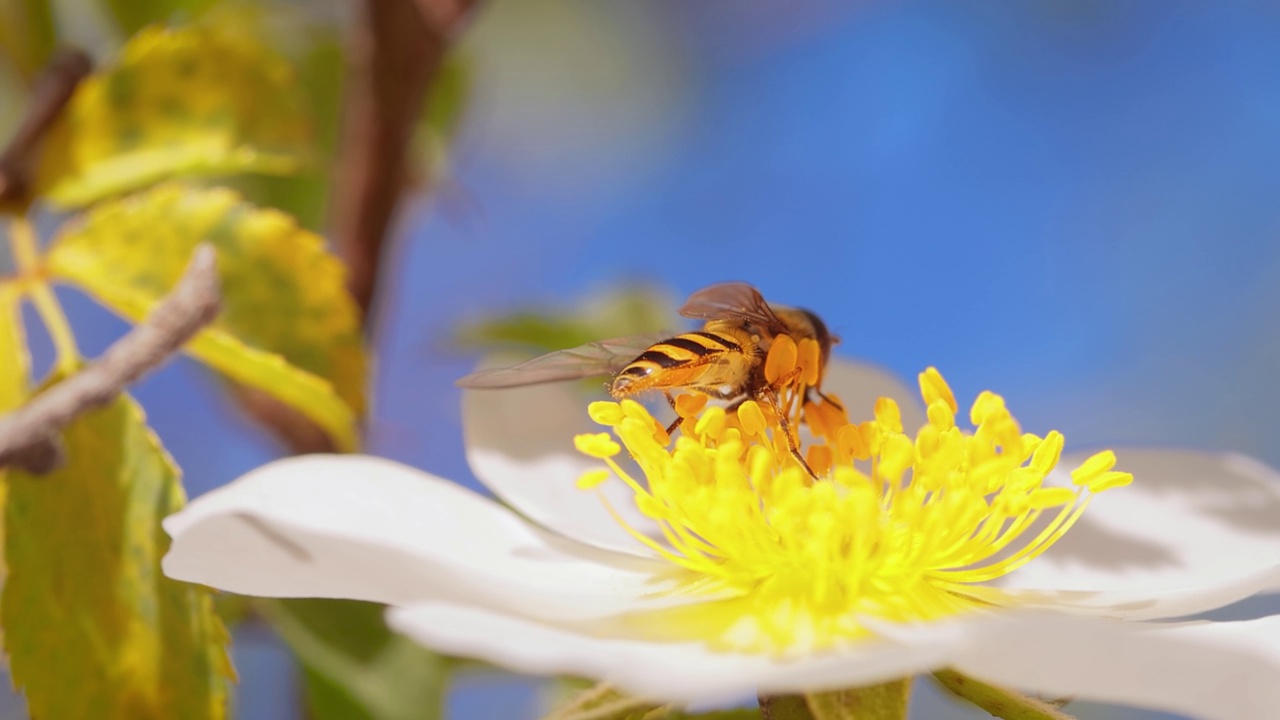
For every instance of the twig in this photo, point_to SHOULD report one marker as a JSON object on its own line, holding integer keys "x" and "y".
{"x": 396, "y": 50}
{"x": 29, "y": 436}
{"x": 1000, "y": 702}
{"x": 52, "y": 91}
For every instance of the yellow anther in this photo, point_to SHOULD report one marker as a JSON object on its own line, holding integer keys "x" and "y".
{"x": 633, "y": 409}
{"x": 690, "y": 404}
{"x": 1044, "y": 498}
{"x": 849, "y": 445}
{"x": 596, "y": 445}
{"x": 1108, "y": 480}
{"x": 1045, "y": 457}
{"x": 1030, "y": 441}
{"x": 781, "y": 360}
{"x": 809, "y": 359}
{"x": 751, "y": 419}
{"x": 834, "y": 417}
{"x": 888, "y": 414}
{"x": 637, "y": 435}
{"x": 605, "y": 412}
{"x": 816, "y": 420}
{"x": 592, "y": 479}
{"x": 760, "y": 464}
{"x": 660, "y": 435}
{"x": 986, "y": 403}
{"x": 819, "y": 459}
{"x": 897, "y": 453}
{"x": 871, "y": 433}
{"x": 1097, "y": 464}
{"x": 933, "y": 387}
{"x": 711, "y": 424}
{"x": 941, "y": 415}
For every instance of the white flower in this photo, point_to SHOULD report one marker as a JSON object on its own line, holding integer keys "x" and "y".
{"x": 573, "y": 592}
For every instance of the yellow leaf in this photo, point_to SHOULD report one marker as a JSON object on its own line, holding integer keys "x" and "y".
{"x": 200, "y": 100}
{"x": 15, "y": 369}
{"x": 92, "y": 627}
{"x": 287, "y": 327}
{"x": 15, "y": 362}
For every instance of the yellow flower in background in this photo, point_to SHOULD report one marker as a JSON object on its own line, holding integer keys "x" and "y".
{"x": 716, "y": 568}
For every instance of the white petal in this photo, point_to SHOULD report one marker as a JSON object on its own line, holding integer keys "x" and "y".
{"x": 859, "y": 385}
{"x": 1193, "y": 532}
{"x": 350, "y": 526}
{"x": 520, "y": 445}
{"x": 1222, "y": 671}
{"x": 1212, "y": 671}
{"x": 668, "y": 671}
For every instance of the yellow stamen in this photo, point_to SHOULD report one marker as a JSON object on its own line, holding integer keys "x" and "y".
{"x": 933, "y": 388}
{"x": 690, "y": 404}
{"x": 898, "y": 527}
{"x": 598, "y": 445}
{"x": 809, "y": 358}
{"x": 592, "y": 479}
{"x": 781, "y": 359}
{"x": 751, "y": 418}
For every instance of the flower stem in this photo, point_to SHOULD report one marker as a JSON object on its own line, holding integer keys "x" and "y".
{"x": 887, "y": 701}
{"x": 1000, "y": 702}
{"x": 601, "y": 702}
{"x": 26, "y": 256}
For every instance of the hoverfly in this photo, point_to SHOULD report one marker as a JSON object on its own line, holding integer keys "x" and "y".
{"x": 724, "y": 360}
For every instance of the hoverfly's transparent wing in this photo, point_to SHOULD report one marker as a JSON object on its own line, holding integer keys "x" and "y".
{"x": 604, "y": 357}
{"x": 732, "y": 301}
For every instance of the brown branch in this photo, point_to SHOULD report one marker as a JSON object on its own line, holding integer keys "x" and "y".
{"x": 29, "y": 436}
{"x": 396, "y": 49}
{"x": 52, "y": 92}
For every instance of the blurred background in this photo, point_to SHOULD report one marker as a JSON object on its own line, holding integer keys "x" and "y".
{"x": 1070, "y": 202}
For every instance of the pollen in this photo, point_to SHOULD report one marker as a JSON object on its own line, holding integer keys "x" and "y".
{"x": 896, "y": 528}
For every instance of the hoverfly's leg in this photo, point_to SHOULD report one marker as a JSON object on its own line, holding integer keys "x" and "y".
{"x": 674, "y": 423}
{"x": 768, "y": 395}
{"x": 782, "y": 383}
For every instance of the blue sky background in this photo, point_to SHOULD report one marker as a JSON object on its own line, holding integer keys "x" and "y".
{"x": 1071, "y": 202}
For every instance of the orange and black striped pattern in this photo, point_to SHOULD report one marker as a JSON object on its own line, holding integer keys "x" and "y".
{"x": 712, "y": 361}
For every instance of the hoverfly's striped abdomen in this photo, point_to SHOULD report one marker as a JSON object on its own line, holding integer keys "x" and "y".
{"x": 703, "y": 359}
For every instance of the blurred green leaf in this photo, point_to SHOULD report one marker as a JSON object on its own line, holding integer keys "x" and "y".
{"x": 26, "y": 34}
{"x": 92, "y": 626}
{"x": 447, "y": 97}
{"x": 200, "y": 100}
{"x": 132, "y": 15}
{"x": 443, "y": 109}
{"x": 356, "y": 668}
{"x": 305, "y": 194}
{"x": 630, "y": 311}
{"x": 287, "y": 326}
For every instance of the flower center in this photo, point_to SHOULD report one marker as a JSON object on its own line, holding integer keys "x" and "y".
{"x": 896, "y": 527}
